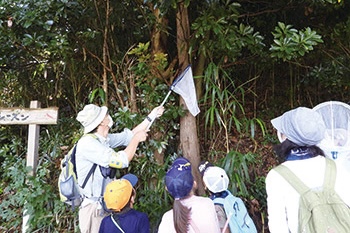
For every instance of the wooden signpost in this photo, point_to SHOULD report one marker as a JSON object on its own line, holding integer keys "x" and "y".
{"x": 34, "y": 117}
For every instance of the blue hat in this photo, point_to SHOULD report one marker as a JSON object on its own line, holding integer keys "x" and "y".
{"x": 179, "y": 179}
{"x": 303, "y": 126}
{"x": 131, "y": 178}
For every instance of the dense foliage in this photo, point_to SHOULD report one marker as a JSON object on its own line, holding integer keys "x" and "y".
{"x": 251, "y": 59}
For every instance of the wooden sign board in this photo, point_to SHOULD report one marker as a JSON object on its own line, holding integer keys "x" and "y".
{"x": 27, "y": 116}
{"x": 33, "y": 117}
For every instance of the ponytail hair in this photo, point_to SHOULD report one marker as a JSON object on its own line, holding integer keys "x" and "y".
{"x": 181, "y": 215}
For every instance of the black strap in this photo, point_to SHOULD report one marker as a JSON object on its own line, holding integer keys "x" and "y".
{"x": 116, "y": 222}
{"x": 102, "y": 188}
{"x": 92, "y": 170}
{"x": 73, "y": 159}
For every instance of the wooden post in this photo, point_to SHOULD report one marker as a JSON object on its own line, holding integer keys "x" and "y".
{"x": 33, "y": 142}
{"x": 34, "y": 117}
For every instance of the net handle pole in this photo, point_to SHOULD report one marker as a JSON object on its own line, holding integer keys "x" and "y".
{"x": 165, "y": 99}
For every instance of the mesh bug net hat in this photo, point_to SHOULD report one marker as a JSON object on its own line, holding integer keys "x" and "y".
{"x": 336, "y": 141}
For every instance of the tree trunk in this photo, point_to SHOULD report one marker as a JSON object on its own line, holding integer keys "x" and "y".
{"x": 105, "y": 54}
{"x": 188, "y": 128}
{"x": 199, "y": 71}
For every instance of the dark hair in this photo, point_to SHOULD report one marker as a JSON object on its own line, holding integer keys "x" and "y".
{"x": 282, "y": 150}
{"x": 133, "y": 193}
{"x": 181, "y": 216}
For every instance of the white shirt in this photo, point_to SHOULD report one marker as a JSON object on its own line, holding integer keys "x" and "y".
{"x": 283, "y": 200}
{"x": 98, "y": 150}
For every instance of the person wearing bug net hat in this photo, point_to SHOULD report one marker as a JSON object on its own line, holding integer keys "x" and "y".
{"x": 300, "y": 130}
{"x": 97, "y": 147}
{"x": 120, "y": 196}
{"x": 190, "y": 213}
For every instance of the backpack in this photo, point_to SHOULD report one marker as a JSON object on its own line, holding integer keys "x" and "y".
{"x": 68, "y": 180}
{"x": 322, "y": 210}
{"x": 236, "y": 212}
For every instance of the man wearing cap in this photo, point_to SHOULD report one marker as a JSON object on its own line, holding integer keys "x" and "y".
{"x": 96, "y": 147}
{"x": 300, "y": 131}
{"x": 190, "y": 213}
{"x": 119, "y": 197}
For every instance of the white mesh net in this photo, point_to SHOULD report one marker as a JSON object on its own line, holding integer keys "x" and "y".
{"x": 336, "y": 143}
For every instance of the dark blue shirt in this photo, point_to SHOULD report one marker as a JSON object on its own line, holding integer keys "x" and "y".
{"x": 132, "y": 221}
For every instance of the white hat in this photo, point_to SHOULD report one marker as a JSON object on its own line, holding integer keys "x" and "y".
{"x": 91, "y": 116}
{"x": 302, "y": 125}
{"x": 216, "y": 179}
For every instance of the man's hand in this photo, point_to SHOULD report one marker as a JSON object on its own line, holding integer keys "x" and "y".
{"x": 156, "y": 112}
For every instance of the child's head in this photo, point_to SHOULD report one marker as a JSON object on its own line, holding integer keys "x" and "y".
{"x": 203, "y": 166}
{"x": 179, "y": 179}
{"x": 119, "y": 192}
{"x": 179, "y": 183}
{"x": 215, "y": 179}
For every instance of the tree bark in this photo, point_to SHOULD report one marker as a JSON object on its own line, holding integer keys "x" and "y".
{"x": 199, "y": 71}
{"x": 105, "y": 54}
{"x": 188, "y": 128}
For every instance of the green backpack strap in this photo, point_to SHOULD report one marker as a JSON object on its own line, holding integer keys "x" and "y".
{"x": 330, "y": 175}
{"x": 291, "y": 178}
{"x": 299, "y": 186}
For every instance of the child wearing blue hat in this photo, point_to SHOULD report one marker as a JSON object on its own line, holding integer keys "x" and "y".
{"x": 190, "y": 213}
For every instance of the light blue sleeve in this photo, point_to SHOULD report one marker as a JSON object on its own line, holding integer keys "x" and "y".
{"x": 120, "y": 139}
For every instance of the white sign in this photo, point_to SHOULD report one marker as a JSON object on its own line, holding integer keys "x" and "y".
{"x": 27, "y": 116}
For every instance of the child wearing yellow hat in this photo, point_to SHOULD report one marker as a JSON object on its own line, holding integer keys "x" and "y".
{"x": 119, "y": 197}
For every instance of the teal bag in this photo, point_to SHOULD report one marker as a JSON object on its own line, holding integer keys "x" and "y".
{"x": 236, "y": 212}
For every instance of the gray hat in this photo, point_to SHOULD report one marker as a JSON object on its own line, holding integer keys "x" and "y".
{"x": 302, "y": 125}
{"x": 91, "y": 116}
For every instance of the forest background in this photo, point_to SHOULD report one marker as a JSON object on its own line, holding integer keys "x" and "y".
{"x": 252, "y": 60}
